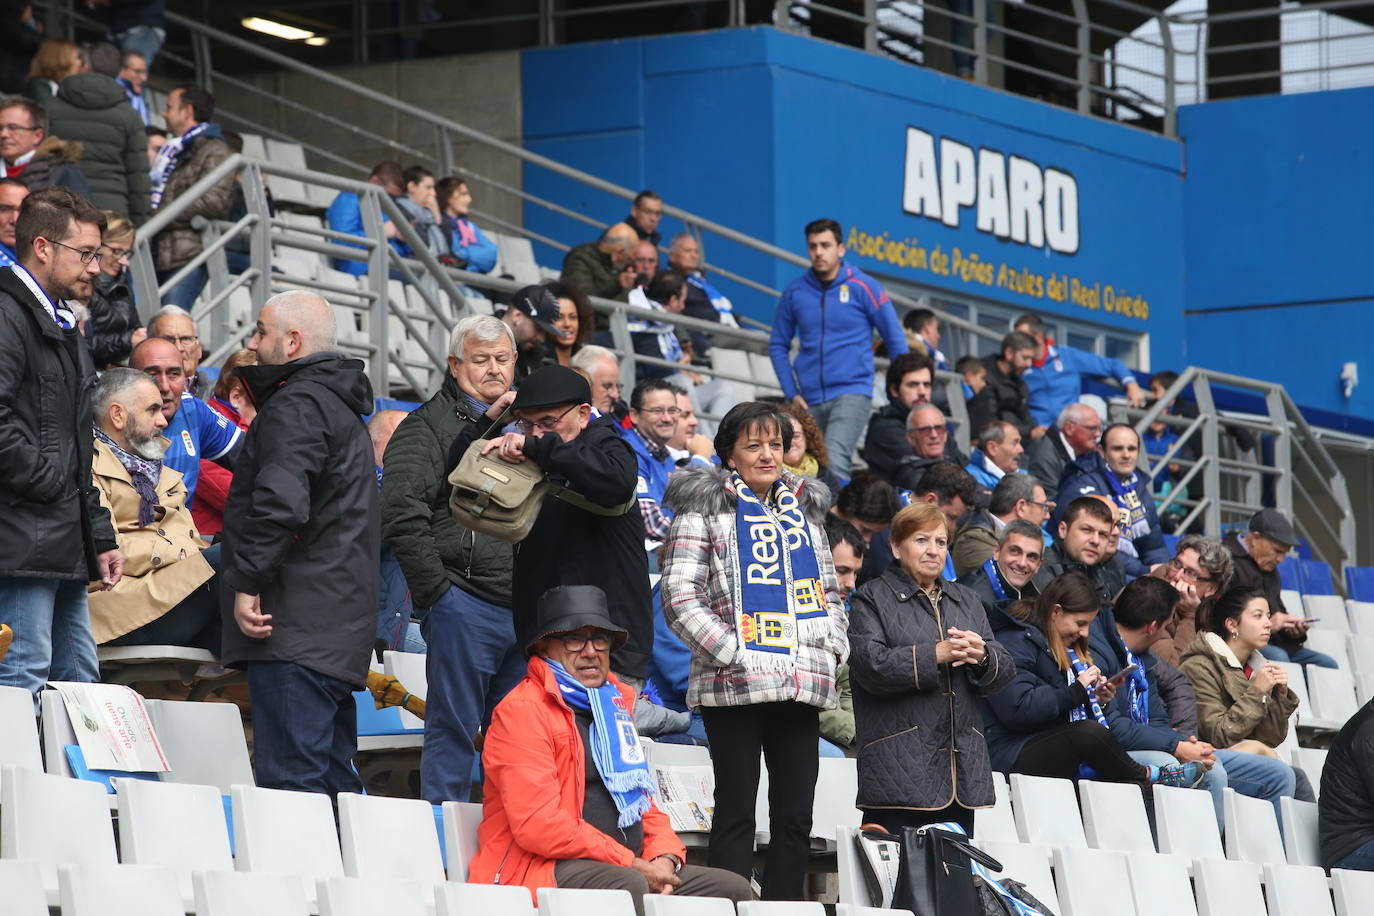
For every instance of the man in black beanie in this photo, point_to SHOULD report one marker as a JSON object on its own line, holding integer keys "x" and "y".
{"x": 589, "y": 531}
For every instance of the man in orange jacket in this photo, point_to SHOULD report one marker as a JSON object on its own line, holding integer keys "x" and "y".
{"x": 568, "y": 796}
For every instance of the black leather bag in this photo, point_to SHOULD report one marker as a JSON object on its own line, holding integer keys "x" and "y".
{"x": 935, "y": 877}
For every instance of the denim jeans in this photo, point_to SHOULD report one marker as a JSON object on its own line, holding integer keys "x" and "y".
{"x": 52, "y": 633}
{"x": 1299, "y": 655}
{"x": 842, "y": 421}
{"x": 1362, "y": 859}
{"x": 305, "y": 729}
{"x": 394, "y": 609}
{"x": 472, "y": 663}
{"x": 184, "y": 293}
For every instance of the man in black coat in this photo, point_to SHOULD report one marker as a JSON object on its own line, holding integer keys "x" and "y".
{"x": 1008, "y": 575}
{"x": 1005, "y": 397}
{"x": 1076, "y": 433}
{"x": 1345, "y": 809}
{"x": 301, "y": 549}
{"x": 57, "y": 536}
{"x": 1083, "y": 543}
{"x": 589, "y": 530}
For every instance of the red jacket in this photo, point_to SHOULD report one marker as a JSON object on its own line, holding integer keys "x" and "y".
{"x": 534, "y": 792}
{"x": 212, "y": 491}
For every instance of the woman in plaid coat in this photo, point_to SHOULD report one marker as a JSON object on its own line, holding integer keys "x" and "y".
{"x": 749, "y": 585}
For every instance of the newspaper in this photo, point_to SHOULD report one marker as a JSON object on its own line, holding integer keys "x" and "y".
{"x": 687, "y": 795}
{"x": 112, "y": 728}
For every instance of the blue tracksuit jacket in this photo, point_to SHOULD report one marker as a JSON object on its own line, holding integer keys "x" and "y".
{"x": 1059, "y": 382}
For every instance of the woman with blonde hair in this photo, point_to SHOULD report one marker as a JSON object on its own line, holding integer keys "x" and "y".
{"x": 114, "y": 328}
{"x": 55, "y": 61}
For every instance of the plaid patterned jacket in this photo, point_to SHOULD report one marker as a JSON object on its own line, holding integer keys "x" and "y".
{"x": 698, "y": 588}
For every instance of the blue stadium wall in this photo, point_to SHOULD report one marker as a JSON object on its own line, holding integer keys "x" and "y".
{"x": 941, "y": 182}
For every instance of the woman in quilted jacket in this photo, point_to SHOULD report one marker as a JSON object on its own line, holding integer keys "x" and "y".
{"x": 749, "y": 586}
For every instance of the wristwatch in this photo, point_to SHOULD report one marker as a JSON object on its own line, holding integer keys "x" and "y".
{"x": 677, "y": 863}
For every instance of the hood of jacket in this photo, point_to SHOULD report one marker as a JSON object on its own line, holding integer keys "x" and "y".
{"x": 707, "y": 491}
{"x": 1211, "y": 645}
{"x": 330, "y": 368}
{"x": 91, "y": 91}
{"x": 59, "y": 150}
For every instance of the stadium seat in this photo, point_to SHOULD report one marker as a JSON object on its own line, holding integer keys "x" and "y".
{"x": 1226, "y": 888}
{"x": 1330, "y": 642}
{"x": 54, "y": 821}
{"x": 1307, "y": 714}
{"x": 665, "y": 754}
{"x": 853, "y": 888}
{"x": 1300, "y": 837}
{"x": 837, "y": 787}
{"x": 1329, "y": 611}
{"x": 241, "y": 893}
{"x": 1252, "y": 834}
{"x": 1160, "y": 886}
{"x": 1332, "y": 692}
{"x": 1313, "y": 761}
{"x": 371, "y": 896}
{"x": 254, "y": 145}
{"x": 180, "y": 827}
{"x": 780, "y": 908}
{"x": 204, "y": 743}
{"x": 669, "y": 905}
{"x": 57, "y": 733}
{"x": 1026, "y": 863}
{"x": 1292, "y": 600}
{"x": 1289, "y": 745}
{"x": 736, "y": 363}
{"x": 1187, "y": 823}
{"x": 118, "y": 890}
{"x": 390, "y": 838}
{"x": 1360, "y": 644}
{"x": 1290, "y": 574}
{"x": 1046, "y": 812}
{"x": 1296, "y": 890}
{"x": 1351, "y": 887}
{"x": 997, "y": 822}
{"x": 846, "y": 909}
{"x": 761, "y": 370}
{"x": 1364, "y": 688}
{"x": 1114, "y": 817}
{"x": 567, "y": 901}
{"x": 1361, "y": 616}
{"x": 20, "y": 747}
{"x": 517, "y": 255}
{"x": 1086, "y": 878}
{"x": 1359, "y": 583}
{"x": 286, "y": 833}
{"x": 22, "y": 881}
{"x": 1316, "y": 578}
{"x": 452, "y": 899}
{"x": 288, "y": 190}
{"x": 409, "y": 669}
{"x": 461, "y": 820}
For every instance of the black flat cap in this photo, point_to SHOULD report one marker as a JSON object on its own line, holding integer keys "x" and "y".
{"x": 550, "y": 386}
{"x": 565, "y": 608}
{"x": 1272, "y": 524}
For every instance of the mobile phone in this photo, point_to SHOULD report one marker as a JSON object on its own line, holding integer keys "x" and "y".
{"x": 1116, "y": 680}
{"x": 1310, "y": 619}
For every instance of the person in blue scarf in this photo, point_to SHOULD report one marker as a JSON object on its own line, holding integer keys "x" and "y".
{"x": 568, "y": 798}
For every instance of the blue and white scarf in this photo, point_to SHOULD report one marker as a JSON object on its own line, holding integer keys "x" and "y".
{"x": 57, "y": 309}
{"x": 1078, "y": 713}
{"x": 170, "y": 154}
{"x": 1016, "y": 906}
{"x": 1138, "y": 690}
{"x": 1131, "y": 510}
{"x": 668, "y": 345}
{"x": 722, "y": 305}
{"x": 615, "y": 744}
{"x": 779, "y": 578}
{"x": 994, "y": 579}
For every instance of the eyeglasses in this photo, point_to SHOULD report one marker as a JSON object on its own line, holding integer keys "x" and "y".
{"x": 118, "y": 254}
{"x": 1048, "y": 505}
{"x": 15, "y": 128}
{"x": 179, "y": 341}
{"x": 1192, "y": 575}
{"x": 546, "y": 424}
{"x": 86, "y": 256}
{"x": 929, "y": 430}
{"x": 660, "y": 411}
{"x": 576, "y": 642}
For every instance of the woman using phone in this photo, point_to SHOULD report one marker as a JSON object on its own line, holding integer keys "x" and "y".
{"x": 1049, "y": 721}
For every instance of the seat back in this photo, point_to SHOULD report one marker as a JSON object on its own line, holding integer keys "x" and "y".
{"x": 568, "y": 901}
{"x": 371, "y": 896}
{"x": 1297, "y": 682}
{"x": 236, "y": 893}
{"x": 1329, "y": 611}
{"x": 1300, "y": 837}
{"x": 385, "y": 838}
{"x": 1252, "y": 834}
{"x": 837, "y": 788}
{"x": 461, "y": 820}
{"x": 20, "y": 747}
{"x": 1187, "y": 823}
{"x": 670, "y": 905}
{"x": 853, "y": 888}
{"x": 453, "y": 899}
{"x": 781, "y": 908}
{"x": 1297, "y": 890}
{"x": 1087, "y": 877}
{"x": 286, "y": 833}
{"x": 1352, "y": 891}
{"x": 54, "y": 821}
{"x": 1160, "y": 886}
{"x": 1313, "y": 761}
{"x": 22, "y": 881}
{"x": 665, "y": 754}
{"x": 1330, "y": 642}
{"x": 997, "y": 822}
{"x": 118, "y": 890}
{"x": 204, "y": 743}
{"x": 1114, "y": 816}
{"x": 1047, "y": 812}
{"x": 1316, "y": 577}
{"x": 57, "y": 733}
{"x": 1332, "y": 691}
{"x": 1026, "y": 863}
{"x": 1361, "y": 614}
{"x": 1292, "y": 601}
{"x": 173, "y": 826}
{"x": 409, "y": 669}
{"x": 1227, "y": 888}
{"x": 851, "y": 909}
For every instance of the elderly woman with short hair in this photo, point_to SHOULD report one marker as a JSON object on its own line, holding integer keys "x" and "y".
{"x": 749, "y": 585}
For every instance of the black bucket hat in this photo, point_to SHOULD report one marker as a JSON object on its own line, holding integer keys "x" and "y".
{"x": 565, "y": 608}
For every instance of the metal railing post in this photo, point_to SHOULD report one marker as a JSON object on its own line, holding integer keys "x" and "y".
{"x": 782, "y": 15}
{"x": 260, "y": 240}
{"x": 1283, "y": 451}
{"x": 546, "y": 24}
{"x": 378, "y": 321}
{"x": 1083, "y": 42}
{"x": 200, "y": 51}
{"x": 871, "y": 26}
{"x": 1166, "y": 37}
{"x": 1211, "y": 445}
{"x": 620, "y": 335}
{"x": 445, "y": 150}
{"x": 980, "y": 41}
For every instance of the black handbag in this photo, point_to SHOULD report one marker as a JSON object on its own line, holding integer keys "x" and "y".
{"x": 935, "y": 877}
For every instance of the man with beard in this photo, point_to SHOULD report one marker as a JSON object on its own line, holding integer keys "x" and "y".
{"x": 168, "y": 595}
{"x": 1008, "y": 574}
{"x": 12, "y": 194}
{"x": 57, "y": 536}
{"x": 1084, "y": 536}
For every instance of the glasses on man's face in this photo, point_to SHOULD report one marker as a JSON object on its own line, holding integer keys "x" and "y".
{"x": 545, "y": 424}
{"x": 15, "y": 129}
{"x": 118, "y": 254}
{"x": 1192, "y": 575}
{"x": 660, "y": 411}
{"x": 576, "y": 642}
{"x": 182, "y": 342}
{"x": 1048, "y": 505}
{"x": 929, "y": 430}
{"x": 86, "y": 256}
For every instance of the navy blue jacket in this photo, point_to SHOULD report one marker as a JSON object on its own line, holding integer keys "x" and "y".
{"x": 1110, "y": 655}
{"x": 1087, "y": 474}
{"x": 1038, "y": 698}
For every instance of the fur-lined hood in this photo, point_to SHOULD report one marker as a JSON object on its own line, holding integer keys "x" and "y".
{"x": 707, "y": 491}
{"x": 60, "y": 150}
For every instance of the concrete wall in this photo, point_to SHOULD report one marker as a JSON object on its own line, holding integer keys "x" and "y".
{"x": 481, "y": 91}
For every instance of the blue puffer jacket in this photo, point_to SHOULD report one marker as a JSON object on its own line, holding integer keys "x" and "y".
{"x": 1110, "y": 655}
{"x": 1038, "y": 698}
{"x": 836, "y": 324}
{"x": 1087, "y": 475}
{"x": 1059, "y": 381}
{"x": 481, "y": 254}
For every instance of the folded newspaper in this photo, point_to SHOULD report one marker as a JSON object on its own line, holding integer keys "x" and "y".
{"x": 112, "y": 727}
{"x": 687, "y": 795}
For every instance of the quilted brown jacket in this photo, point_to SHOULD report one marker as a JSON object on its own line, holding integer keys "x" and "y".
{"x": 179, "y": 243}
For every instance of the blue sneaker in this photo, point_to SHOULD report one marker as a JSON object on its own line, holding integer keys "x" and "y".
{"x": 1180, "y": 775}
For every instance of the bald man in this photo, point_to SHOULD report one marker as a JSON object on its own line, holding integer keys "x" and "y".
{"x": 302, "y": 544}
{"x": 195, "y": 429}
{"x": 605, "y": 267}
{"x": 395, "y": 608}
{"x": 379, "y": 430}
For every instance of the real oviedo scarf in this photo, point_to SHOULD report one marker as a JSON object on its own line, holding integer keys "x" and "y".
{"x": 1125, "y": 493}
{"x": 1078, "y": 713}
{"x": 615, "y": 745}
{"x": 779, "y": 580}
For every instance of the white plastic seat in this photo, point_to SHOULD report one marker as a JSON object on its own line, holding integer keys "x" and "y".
{"x": 1289, "y": 745}
{"x": 409, "y": 669}
{"x": 851, "y": 879}
{"x": 1308, "y": 717}
{"x": 1330, "y": 611}
{"x": 1047, "y": 812}
{"x": 1297, "y": 890}
{"x": 254, "y": 145}
{"x": 286, "y": 833}
{"x": 1352, "y": 891}
{"x": 782, "y": 908}
{"x": 370, "y": 896}
{"x": 1160, "y": 885}
{"x": 677, "y": 755}
{"x": 1086, "y": 877}
{"x": 22, "y": 881}
{"x": 1330, "y": 642}
{"x": 390, "y": 838}
{"x": 1114, "y": 816}
{"x": 1361, "y": 614}
{"x": 1332, "y": 691}
{"x": 17, "y": 723}
{"x": 998, "y": 822}
{"x": 180, "y": 827}
{"x": 734, "y": 362}
{"x": 837, "y": 788}
{"x": 1360, "y": 650}
{"x": 1187, "y": 823}
{"x": 761, "y": 370}
{"x": 671, "y": 905}
{"x": 453, "y": 899}
{"x": 850, "y": 909}
{"x": 1292, "y": 601}
{"x": 517, "y": 255}
{"x": 1300, "y": 836}
{"x": 568, "y": 901}
{"x": 57, "y": 733}
{"x": 1227, "y": 888}
{"x": 461, "y": 820}
{"x": 1026, "y": 863}
{"x": 119, "y": 890}
{"x": 204, "y": 742}
{"x": 241, "y": 893}
{"x": 1313, "y": 761}
{"x": 1252, "y": 834}
{"x": 54, "y": 821}
{"x": 288, "y": 190}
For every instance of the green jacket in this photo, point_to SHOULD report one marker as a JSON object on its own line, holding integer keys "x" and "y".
{"x": 837, "y": 725}
{"x": 434, "y": 551}
{"x": 1229, "y": 707}
{"x": 591, "y": 270}
{"x": 92, "y": 110}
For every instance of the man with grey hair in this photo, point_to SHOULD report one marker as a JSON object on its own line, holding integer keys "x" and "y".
{"x": 168, "y": 595}
{"x": 301, "y": 547}
{"x": 602, "y": 369}
{"x": 460, "y": 581}
{"x": 1200, "y": 568}
{"x": 174, "y": 324}
{"x": 605, "y": 267}
{"x": 927, "y": 432}
{"x": 1008, "y": 574}
{"x": 1075, "y": 433}
{"x": 1016, "y": 496}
